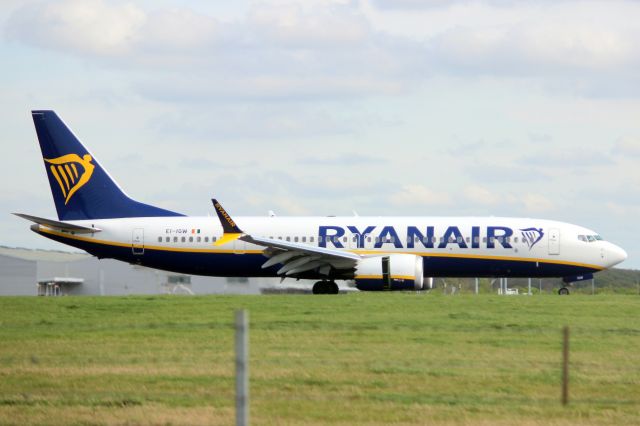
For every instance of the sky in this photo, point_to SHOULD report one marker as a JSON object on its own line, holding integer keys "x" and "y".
{"x": 303, "y": 107}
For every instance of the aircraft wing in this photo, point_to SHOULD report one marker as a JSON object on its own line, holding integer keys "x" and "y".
{"x": 296, "y": 259}
{"x": 300, "y": 258}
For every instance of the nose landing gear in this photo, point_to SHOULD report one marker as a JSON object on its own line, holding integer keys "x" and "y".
{"x": 325, "y": 287}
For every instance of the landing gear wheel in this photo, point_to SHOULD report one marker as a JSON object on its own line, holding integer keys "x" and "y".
{"x": 563, "y": 291}
{"x": 325, "y": 287}
{"x": 318, "y": 288}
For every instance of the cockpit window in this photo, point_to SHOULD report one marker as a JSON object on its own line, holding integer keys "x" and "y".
{"x": 590, "y": 238}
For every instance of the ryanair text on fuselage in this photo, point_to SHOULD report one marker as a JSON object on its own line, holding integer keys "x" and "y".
{"x": 491, "y": 236}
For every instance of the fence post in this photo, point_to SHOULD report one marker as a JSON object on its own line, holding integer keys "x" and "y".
{"x": 565, "y": 365}
{"x": 242, "y": 368}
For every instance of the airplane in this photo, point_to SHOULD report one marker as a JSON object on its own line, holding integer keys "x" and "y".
{"x": 371, "y": 253}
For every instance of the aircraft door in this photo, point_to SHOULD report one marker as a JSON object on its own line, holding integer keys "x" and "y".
{"x": 137, "y": 241}
{"x": 554, "y": 241}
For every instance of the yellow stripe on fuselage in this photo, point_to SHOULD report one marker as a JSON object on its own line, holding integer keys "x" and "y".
{"x": 362, "y": 252}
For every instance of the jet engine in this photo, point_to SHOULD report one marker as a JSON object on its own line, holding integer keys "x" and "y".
{"x": 392, "y": 272}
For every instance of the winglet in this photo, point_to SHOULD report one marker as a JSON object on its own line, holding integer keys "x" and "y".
{"x": 231, "y": 230}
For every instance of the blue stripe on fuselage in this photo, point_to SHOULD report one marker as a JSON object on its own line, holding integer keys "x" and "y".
{"x": 250, "y": 264}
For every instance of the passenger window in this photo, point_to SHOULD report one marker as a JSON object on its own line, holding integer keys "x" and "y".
{"x": 184, "y": 239}
{"x": 199, "y": 239}
{"x": 459, "y": 240}
{"x": 175, "y": 239}
{"x": 213, "y": 239}
{"x": 468, "y": 239}
{"x": 515, "y": 239}
{"x": 190, "y": 239}
{"x": 288, "y": 238}
{"x": 344, "y": 239}
{"x": 304, "y": 239}
{"x": 310, "y": 239}
{"x": 484, "y": 239}
{"x": 295, "y": 239}
{"x": 159, "y": 239}
{"x": 377, "y": 239}
{"x": 476, "y": 240}
{"x": 206, "y": 239}
{"x": 434, "y": 240}
{"x": 369, "y": 239}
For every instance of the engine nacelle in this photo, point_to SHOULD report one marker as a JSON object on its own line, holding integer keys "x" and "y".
{"x": 392, "y": 272}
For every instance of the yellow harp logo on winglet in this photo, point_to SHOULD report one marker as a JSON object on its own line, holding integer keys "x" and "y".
{"x": 66, "y": 171}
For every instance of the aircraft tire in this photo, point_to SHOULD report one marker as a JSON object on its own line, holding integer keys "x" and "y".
{"x": 563, "y": 291}
{"x": 325, "y": 287}
{"x": 320, "y": 288}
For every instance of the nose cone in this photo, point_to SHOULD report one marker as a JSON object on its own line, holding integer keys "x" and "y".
{"x": 615, "y": 255}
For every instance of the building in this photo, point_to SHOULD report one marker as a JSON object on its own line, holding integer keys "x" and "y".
{"x": 33, "y": 272}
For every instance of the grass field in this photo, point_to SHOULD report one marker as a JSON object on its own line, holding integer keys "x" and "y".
{"x": 400, "y": 358}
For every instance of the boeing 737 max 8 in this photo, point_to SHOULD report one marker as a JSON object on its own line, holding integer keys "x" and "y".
{"x": 376, "y": 253}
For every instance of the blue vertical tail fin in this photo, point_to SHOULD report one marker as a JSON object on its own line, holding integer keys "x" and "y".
{"x": 81, "y": 188}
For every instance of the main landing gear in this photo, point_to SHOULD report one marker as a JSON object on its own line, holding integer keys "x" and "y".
{"x": 563, "y": 291}
{"x": 325, "y": 287}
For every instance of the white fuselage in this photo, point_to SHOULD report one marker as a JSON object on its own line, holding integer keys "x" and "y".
{"x": 451, "y": 246}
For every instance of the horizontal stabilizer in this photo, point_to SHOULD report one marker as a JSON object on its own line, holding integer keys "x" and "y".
{"x": 55, "y": 224}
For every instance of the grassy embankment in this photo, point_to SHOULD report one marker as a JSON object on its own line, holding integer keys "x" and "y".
{"x": 357, "y": 358}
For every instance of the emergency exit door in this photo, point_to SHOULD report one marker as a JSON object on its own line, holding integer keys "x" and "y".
{"x": 137, "y": 241}
{"x": 554, "y": 241}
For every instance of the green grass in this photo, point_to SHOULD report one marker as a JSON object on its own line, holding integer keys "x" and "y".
{"x": 360, "y": 358}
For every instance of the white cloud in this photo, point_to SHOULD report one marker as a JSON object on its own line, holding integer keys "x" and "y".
{"x": 627, "y": 146}
{"x": 495, "y": 198}
{"x": 335, "y": 49}
{"x": 477, "y": 194}
{"x": 416, "y": 194}
{"x": 536, "y": 203}
{"x": 308, "y": 24}
{"x": 93, "y": 26}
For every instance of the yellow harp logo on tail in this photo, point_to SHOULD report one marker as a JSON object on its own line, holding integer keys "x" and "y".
{"x": 66, "y": 171}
